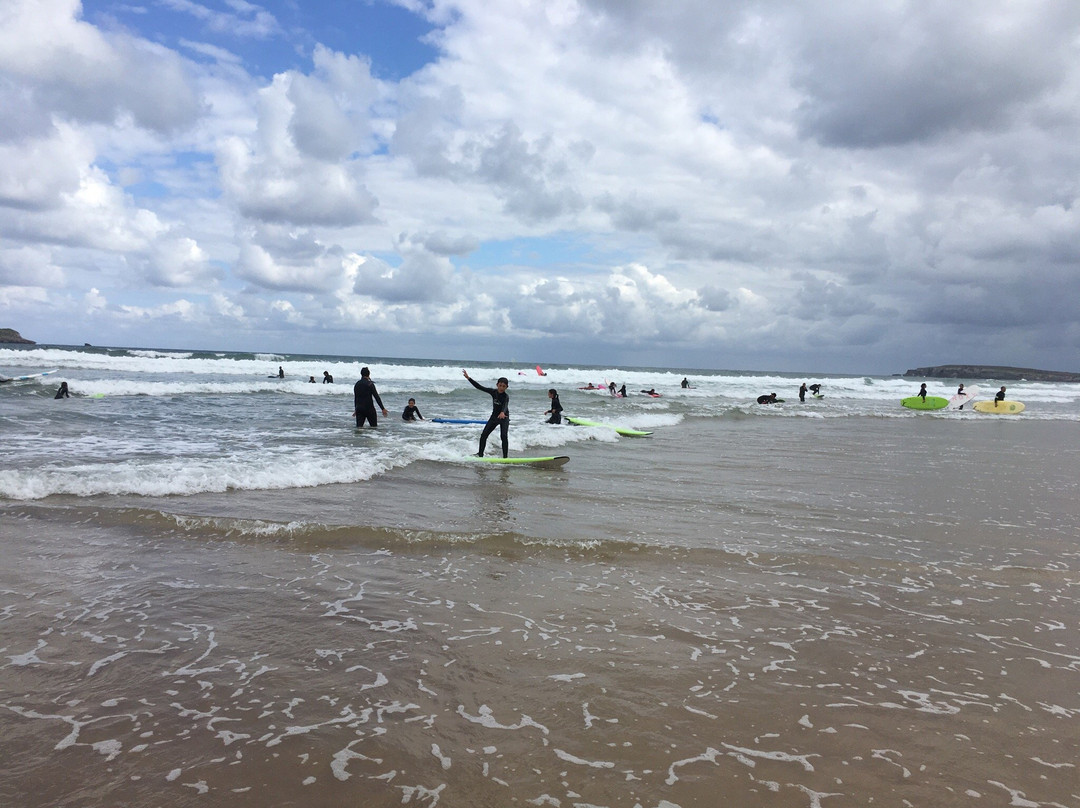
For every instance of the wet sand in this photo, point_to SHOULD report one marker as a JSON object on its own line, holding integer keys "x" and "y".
{"x": 887, "y": 633}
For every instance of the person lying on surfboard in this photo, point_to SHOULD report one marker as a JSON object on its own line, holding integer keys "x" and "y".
{"x": 500, "y": 413}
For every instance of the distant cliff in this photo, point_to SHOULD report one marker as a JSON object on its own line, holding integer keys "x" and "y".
{"x": 996, "y": 372}
{"x": 10, "y": 335}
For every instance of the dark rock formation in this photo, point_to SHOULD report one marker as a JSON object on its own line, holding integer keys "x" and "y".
{"x": 996, "y": 372}
{"x": 11, "y": 336}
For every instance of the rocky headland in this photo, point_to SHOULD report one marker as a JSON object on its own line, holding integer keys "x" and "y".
{"x": 11, "y": 336}
{"x": 996, "y": 372}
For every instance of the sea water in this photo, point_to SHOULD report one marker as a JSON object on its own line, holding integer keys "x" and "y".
{"x": 215, "y": 590}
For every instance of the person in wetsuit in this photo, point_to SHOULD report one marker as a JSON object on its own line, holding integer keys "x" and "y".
{"x": 327, "y": 378}
{"x": 802, "y": 392}
{"x": 63, "y": 392}
{"x": 922, "y": 392}
{"x": 364, "y": 397}
{"x": 767, "y": 398}
{"x": 500, "y": 413}
{"x": 411, "y": 412}
{"x": 815, "y": 389}
{"x": 556, "y": 407}
{"x": 1000, "y": 396}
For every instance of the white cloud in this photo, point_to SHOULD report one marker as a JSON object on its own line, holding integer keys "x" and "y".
{"x": 83, "y": 73}
{"x": 729, "y": 175}
{"x": 29, "y": 266}
{"x": 298, "y": 166}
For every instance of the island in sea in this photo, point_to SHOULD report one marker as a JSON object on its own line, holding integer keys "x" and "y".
{"x": 11, "y": 336}
{"x": 997, "y": 372}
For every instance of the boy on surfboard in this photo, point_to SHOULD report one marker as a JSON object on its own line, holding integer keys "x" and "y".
{"x": 500, "y": 413}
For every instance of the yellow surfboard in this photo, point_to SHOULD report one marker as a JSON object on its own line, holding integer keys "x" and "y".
{"x": 999, "y": 407}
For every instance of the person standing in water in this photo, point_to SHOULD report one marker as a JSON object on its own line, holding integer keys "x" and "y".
{"x": 922, "y": 392}
{"x": 500, "y": 413}
{"x": 63, "y": 392}
{"x": 802, "y": 392}
{"x": 556, "y": 407}
{"x": 280, "y": 372}
{"x": 1000, "y": 395}
{"x": 364, "y": 397}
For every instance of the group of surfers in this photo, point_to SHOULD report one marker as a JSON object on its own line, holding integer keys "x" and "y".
{"x": 998, "y": 397}
{"x": 770, "y": 398}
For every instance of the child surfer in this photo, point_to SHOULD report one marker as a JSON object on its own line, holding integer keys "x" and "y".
{"x": 500, "y": 413}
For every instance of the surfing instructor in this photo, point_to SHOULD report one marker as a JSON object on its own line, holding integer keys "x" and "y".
{"x": 500, "y": 413}
{"x": 364, "y": 397}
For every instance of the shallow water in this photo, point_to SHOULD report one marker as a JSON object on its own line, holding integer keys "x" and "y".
{"x": 747, "y": 608}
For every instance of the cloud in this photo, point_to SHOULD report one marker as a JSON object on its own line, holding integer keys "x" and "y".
{"x": 246, "y": 19}
{"x": 882, "y": 75}
{"x": 326, "y": 270}
{"x": 83, "y": 73}
{"x": 298, "y": 167}
{"x": 29, "y": 266}
{"x": 616, "y": 176}
{"x": 421, "y": 277}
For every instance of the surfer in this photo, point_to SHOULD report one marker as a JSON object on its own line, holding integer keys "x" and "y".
{"x": 622, "y": 391}
{"x": 922, "y": 392}
{"x": 327, "y": 378}
{"x": 767, "y": 398}
{"x": 651, "y": 392}
{"x": 802, "y": 392}
{"x": 815, "y": 389}
{"x": 280, "y": 372}
{"x": 364, "y": 406}
{"x": 500, "y": 412}
{"x": 411, "y": 412}
{"x": 1000, "y": 395}
{"x": 685, "y": 384}
{"x": 611, "y": 388}
{"x": 556, "y": 407}
{"x": 311, "y": 380}
{"x": 63, "y": 392}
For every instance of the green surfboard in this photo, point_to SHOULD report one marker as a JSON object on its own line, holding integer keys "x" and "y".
{"x": 622, "y": 430}
{"x": 534, "y": 462}
{"x": 931, "y": 403}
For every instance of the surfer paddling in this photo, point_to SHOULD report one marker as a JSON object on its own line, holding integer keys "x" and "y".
{"x": 500, "y": 412}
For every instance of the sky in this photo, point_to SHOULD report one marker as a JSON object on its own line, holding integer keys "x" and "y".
{"x": 843, "y": 187}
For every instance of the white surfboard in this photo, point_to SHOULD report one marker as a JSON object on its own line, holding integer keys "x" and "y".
{"x": 959, "y": 401}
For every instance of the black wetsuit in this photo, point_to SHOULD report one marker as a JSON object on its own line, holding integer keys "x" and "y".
{"x": 62, "y": 392}
{"x": 327, "y": 378}
{"x": 364, "y": 397}
{"x": 802, "y": 393}
{"x": 500, "y": 403}
{"x": 556, "y": 411}
{"x": 411, "y": 413}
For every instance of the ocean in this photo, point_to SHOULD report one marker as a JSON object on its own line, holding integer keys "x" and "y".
{"x": 215, "y": 590}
